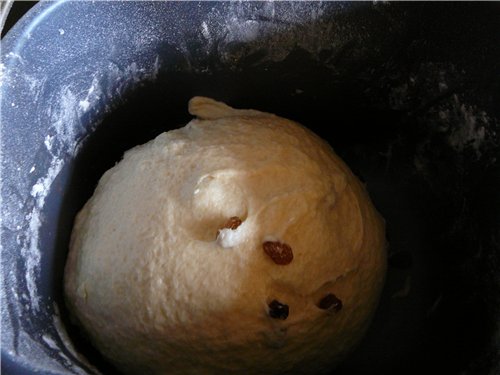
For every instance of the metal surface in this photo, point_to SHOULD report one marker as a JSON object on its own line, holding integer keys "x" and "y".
{"x": 407, "y": 94}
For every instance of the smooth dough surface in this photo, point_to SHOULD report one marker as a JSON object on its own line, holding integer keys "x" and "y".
{"x": 160, "y": 287}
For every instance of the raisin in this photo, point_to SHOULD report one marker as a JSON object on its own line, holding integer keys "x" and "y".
{"x": 232, "y": 223}
{"x": 330, "y": 302}
{"x": 278, "y": 310}
{"x": 279, "y": 252}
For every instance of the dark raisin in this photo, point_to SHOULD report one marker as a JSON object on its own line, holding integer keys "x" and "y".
{"x": 330, "y": 302}
{"x": 278, "y": 310}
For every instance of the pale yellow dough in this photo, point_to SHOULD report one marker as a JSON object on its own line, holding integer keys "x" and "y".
{"x": 158, "y": 292}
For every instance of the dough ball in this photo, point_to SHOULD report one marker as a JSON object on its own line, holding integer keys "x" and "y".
{"x": 239, "y": 243}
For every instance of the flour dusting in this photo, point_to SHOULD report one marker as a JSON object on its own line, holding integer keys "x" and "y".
{"x": 472, "y": 128}
{"x": 61, "y": 142}
{"x": 462, "y": 126}
{"x": 272, "y": 28}
{"x": 232, "y": 31}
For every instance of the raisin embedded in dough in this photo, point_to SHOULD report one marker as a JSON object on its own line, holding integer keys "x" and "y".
{"x": 173, "y": 259}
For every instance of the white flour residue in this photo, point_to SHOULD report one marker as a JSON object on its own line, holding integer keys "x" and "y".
{"x": 205, "y": 31}
{"x": 64, "y": 119}
{"x": 2, "y": 74}
{"x": 14, "y": 55}
{"x": 92, "y": 96}
{"x": 242, "y": 30}
{"x": 463, "y": 126}
{"x": 48, "y": 142}
{"x": 61, "y": 143}
{"x": 277, "y": 30}
{"x": 30, "y": 251}
{"x": 50, "y": 342}
{"x": 5, "y": 62}
{"x": 64, "y": 337}
{"x": 30, "y": 348}
{"x": 84, "y": 104}
{"x": 123, "y": 79}
{"x": 470, "y": 128}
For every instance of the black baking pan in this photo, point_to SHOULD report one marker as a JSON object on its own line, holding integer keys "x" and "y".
{"x": 407, "y": 94}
